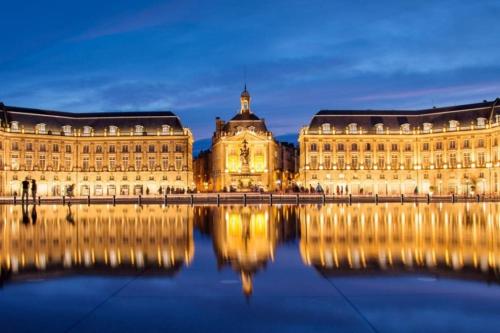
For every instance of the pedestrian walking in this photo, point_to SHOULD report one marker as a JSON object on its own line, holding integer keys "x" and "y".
{"x": 33, "y": 190}
{"x": 26, "y": 187}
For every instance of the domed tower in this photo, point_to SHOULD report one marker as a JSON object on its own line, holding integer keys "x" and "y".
{"x": 245, "y": 101}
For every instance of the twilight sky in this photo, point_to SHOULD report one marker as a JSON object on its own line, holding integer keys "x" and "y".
{"x": 300, "y": 56}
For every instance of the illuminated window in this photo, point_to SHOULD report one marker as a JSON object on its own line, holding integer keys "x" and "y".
{"x": 314, "y": 147}
{"x": 139, "y": 130}
{"x": 164, "y": 163}
{"x": 151, "y": 162}
{"x": 113, "y": 130}
{"x": 41, "y": 128}
{"x": 427, "y": 127}
{"x": 112, "y": 162}
{"x": 138, "y": 163}
{"x": 87, "y": 130}
{"x": 98, "y": 163}
{"x": 379, "y": 128}
{"x": 66, "y": 129}
{"x": 326, "y": 128}
{"x": 353, "y": 128}
{"x": 251, "y": 128}
{"x": 313, "y": 163}
{"x": 165, "y": 129}
{"x": 259, "y": 161}
{"x": 405, "y": 128}
{"x": 327, "y": 163}
{"x": 453, "y": 125}
{"x": 14, "y": 126}
{"x": 29, "y": 161}
{"x": 178, "y": 163}
{"x": 481, "y": 122}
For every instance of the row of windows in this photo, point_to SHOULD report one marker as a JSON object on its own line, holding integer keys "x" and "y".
{"x": 452, "y": 144}
{"x": 98, "y": 148}
{"x": 406, "y": 127}
{"x": 99, "y": 164}
{"x": 88, "y": 130}
{"x": 395, "y": 162}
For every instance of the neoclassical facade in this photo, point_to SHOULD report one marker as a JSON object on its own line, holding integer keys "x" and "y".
{"x": 245, "y": 156}
{"x": 122, "y": 153}
{"x": 438, "y": 151}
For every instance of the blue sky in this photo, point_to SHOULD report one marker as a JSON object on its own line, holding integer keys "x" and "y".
{"x": 299, "y": 56}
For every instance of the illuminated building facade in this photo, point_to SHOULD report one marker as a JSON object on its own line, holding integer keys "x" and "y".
{"x": 244, "y": 154}
{"x": 126, "y": 153}
{"x": 437, "y": 151}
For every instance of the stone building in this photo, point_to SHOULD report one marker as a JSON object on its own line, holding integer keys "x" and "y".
{"x": 439, "y": 151}
{"x": 121, "y": 153}
{"x": 245, "y": 155}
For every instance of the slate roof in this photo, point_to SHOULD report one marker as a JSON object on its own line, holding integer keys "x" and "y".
{"x": 393, "y": 119}
{"x": 54, "y": 120}
{"x": 245, "y": 120}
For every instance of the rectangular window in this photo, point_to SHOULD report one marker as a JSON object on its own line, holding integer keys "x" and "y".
{"x": 164, "y": 148}
{"x": 98, "y": 163}
{"x": 452, "y": 144}
{"x": 112, "y": 163}
{"x": 85, "y": 165}
{"x": 178, "y": 163}
{"x": 55, "y": 148}
{"x": 481, "y": 160}
{"x": 164, "y": 163}
{"x": 394, "y": 162}
{"x": 453, "y": 160}
{"x": 29, "y": 162}
{"x": 314, "y": 162}
{"x": 67, "y": 163}
{"x": 341, "y": 162}
{"x": 125, "y": 163}
{"x": 42, "y": 162}
{"x": 327, "y": 163}
{"x": 380, "y": 147}
{"x": 151, "y": 148}
{"x": 439, "y": 160}
{"x": 354, "y": 162}
{"x": 151, "y": 163}
{"x": 425, "y": 146}
{"x": 55, "y": 162}
{"x": 138, "y": 163}
{"x": 68, "y": 149}
{"x": 381, "y": 162}
{"x": 439, "y": 145}
{"x": 394, "y": 147}
{"x": 467, "y": 160}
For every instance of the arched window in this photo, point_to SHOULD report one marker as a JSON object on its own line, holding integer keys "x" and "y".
{"x": 326, "y": 128}
{"x": 427, "y": 127}
{"x": 481, "y": 122}
{"x": 14, "y": 126}
{"x": 113, "y": 130}
{"x": 66, "y": 129}
{"x": 405, "y": 128}
{"x": 87, "y": 130}
{"x": 165, "y": 129}
{"x": 353, "y": 128}
{"x": 139, "y": 129}
{"x": 354, "y": 147}
{"x": 379, "y": 128}
{"x": 41, "y": 128}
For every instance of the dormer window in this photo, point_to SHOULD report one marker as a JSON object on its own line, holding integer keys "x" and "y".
{"x": 453, "y": 125}
{"x": 239, "y": 129}
{"x": 113, "y": 130}
{"x": 497, "y": 117}
{"x": 139, "y": 129}
{"x": 326, "y": 128}
{"x": 481, "y": 122}
{"x": 66, "y": 129}
{"x": 427, "y": 127}
{"x": 251, "y": 128}
{"x": 353, "y": 128}
{"x": 14, "y": 126}
{"x": 87, "y": 130}
{"x": 165, "y": 129}
{"x": 405, "y": 128}
{"x": 41, "y": 128}
{"x": 379, "y": 128}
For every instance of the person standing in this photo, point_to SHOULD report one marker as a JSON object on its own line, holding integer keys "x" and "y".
{"x": 26, "y": 187}
{"x": 33, "y": 190}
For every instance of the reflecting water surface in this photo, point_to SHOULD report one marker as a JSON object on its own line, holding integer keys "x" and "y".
{"x": 346, "y": 266}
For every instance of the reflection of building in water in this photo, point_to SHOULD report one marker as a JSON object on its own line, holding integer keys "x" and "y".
{"x": 97, "y": 236}
{"x": 246, "y": 237}
{"x": 457, "y": 237}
